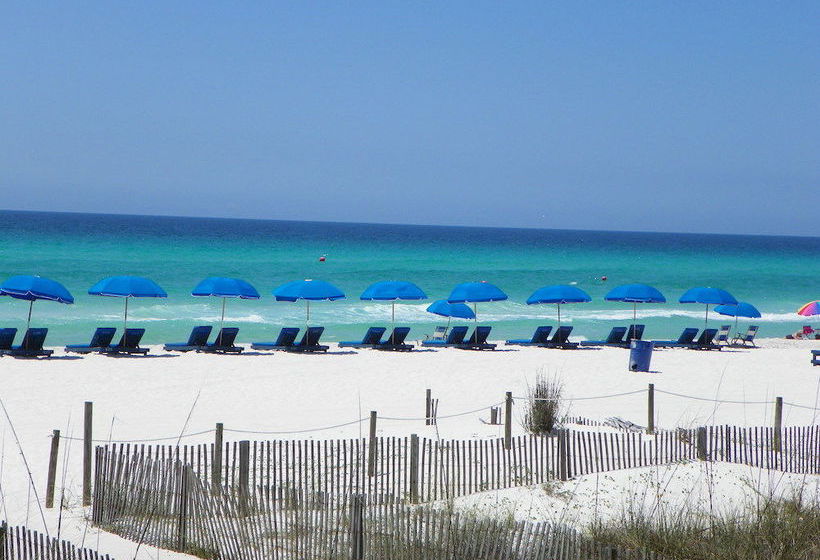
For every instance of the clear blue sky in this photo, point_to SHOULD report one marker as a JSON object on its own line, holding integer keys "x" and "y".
{"x": 696, "y": 117}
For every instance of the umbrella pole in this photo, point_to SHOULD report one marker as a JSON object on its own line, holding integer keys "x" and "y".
{"x": 30, "y": 305}
{"x": 307, "y": 317}
{"x": 221, "y": 322}
{"x": 393, "y": 323}
{"x": 475, "y": 312}
{"x": 559, "y": 314}
{"x": 634, "y": 317}
{"x": 706, "y": 320}
{"x": 125, "y": 318}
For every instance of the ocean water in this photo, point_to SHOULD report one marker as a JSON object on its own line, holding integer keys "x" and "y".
{"x": 777, "y": 274}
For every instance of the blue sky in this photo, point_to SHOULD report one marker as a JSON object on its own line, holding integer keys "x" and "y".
{"x": 695, "y": 117}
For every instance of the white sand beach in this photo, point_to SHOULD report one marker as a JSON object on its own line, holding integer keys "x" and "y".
{"x": 164, "y": 395}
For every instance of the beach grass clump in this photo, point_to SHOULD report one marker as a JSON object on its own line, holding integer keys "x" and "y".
{"x": 544, "y": 405}
{"x": 776, "y": 528}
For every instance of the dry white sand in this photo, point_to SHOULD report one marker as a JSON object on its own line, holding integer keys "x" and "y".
{"x": 145, "y": 398}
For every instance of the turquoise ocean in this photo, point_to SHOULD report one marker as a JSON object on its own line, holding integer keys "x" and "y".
{"x": 776, "y": 274}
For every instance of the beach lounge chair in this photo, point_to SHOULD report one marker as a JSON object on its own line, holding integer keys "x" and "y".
{"x": 287, "y": 337}
{"x": 723, "y": 335}
{"x": 101, "y": 338}
{"x": 371, "y": 338}
{"x": 687, "y": 337}
{"x": 196, "y": 341}
{"x": 635, "y": 332}
{"x": 224, "y": 342}
{"x": 439, "y": 334}
{"x": 6, "y": 339}
{"x": 455, "y": 338}
{"x": 310, "y": 341}
{"x": 395, "y": 342}
{"x": 705, "y": 341}
{"x": 615, "y": 338}
{"x": 129, "y": 344}
{"x": 815, "y": 357}
{"x": 539, "y": 337}
{"x": 747, "y": 337}
{"x": 561, "y": 339}
{"x": 31, "y": 345}
{"x": 478, "y": 340}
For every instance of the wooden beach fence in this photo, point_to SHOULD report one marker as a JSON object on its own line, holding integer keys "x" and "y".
{"x": 20, "y": 543}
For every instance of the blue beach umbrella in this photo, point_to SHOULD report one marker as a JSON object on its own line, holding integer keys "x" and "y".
{"x": 216, "y": 286}
{"x": 476, "y": 292}
{"x": 635, "y": 294}
{"x": 127, "y": 287}
{"x": 558, "y": 294}
{"x": 708, "y": 296}
{"x": 32, "y": 288}
{"x": 446, "y": 309}
{"x": 392, "y": 291}
{"x": 742, "y": 309}
{"x": 308, "y": 290}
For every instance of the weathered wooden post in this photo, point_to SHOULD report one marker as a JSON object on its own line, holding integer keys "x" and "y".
{"x": 182, "y": 508}
{"x": 244, "y": 473}
{"x": 357, "y": 527}
{"x": 428, "y": 407}
{"x": 701, "y": 444}
{"x": 371, "y": 446}
{"x": 414, "y": 468}
{"x": 508, "y": 402}
{"x": 216, "y": 459}
{"x": 562, "y": 454}
{"x": 52, "y": 468}
{"x": 650, "y": 401}
{"x": 87, "y": 433}
{"x": 778, "y": 425}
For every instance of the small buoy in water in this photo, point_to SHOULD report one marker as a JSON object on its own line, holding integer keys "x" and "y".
{"x": 603, "y": 278}
{"x": 322, "y": 258}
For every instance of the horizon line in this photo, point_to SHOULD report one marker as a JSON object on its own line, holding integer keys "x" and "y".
{"x": 529, "y": 228}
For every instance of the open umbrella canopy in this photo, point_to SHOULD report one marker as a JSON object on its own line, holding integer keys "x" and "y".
{"x": 558, "y": 294}
{"x": 742, "y": 309}
{"x": 392, "y": 291}
{"x": 708, "y": 296}
{"x": 308, "y": 289}
{"x": 446, "y": 309}
{"x": 635, "y": 293}
{"x": 225, "y": 288}
{"x": 811, "y": 308}
{"x": 476, "y": 292}
{"x": 31, "y": 288}
{"x": 127, "y": 286}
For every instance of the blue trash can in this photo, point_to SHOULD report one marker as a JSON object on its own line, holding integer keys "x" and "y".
{"x": 640, "y": 354}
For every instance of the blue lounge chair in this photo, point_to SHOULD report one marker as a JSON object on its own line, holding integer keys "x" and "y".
{"x": 101, "y": 339}
{"x": 686, "y": 338}
{"x": 395, "y": 341}
{"x": 371, "y": 338}
{"x": 196, "y": 341}
{"x": 635, "y": 332}
{"x": 31, "y": 345}
{"x": 748, "y": 337}
{"x": 478, "y": 340}
{"x": 815, "y": 357}
{"x": 129, "y": 344}
{"x": 539, "y": 337}
{"x": 310, "y": 341}
{"x": 287, "y": 336}
{"x": 615, "y": 338}
{"x": 705, "y": 341}
{"x": 6, "y": 339}
{"x": 561, "y": 339}
{"x": 455, "y": 338}
{"x": 224, "y": 342}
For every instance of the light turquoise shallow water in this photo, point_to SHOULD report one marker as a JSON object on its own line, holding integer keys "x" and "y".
{"x": 777, "y": 274}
